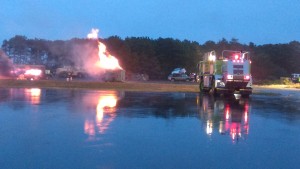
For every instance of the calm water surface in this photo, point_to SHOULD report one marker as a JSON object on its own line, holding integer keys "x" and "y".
{"x": 50, "y": 128}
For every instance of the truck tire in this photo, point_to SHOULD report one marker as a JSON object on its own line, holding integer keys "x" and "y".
{"x": 213, "y": 89}
{"x": 201, "y": 87}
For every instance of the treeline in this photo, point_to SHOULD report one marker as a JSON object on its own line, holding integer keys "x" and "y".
{"x": 155, "y": 57}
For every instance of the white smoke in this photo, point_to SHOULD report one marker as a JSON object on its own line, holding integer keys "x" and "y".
{"x": 6, "y": 65}
{"x": 85, "y": 57}
{"x": 93, "y": 34}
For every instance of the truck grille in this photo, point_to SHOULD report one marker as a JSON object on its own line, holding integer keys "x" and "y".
{"x": 238, "y": 72}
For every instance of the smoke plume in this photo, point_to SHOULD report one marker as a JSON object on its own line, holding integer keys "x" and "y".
{"x": 6, "y": 64}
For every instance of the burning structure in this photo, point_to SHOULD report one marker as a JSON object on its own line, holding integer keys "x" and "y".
{"x": 9, "y": 70}
{"x": 97, "y": 63}
{"x": 82, "y": 58}
{"x": 108, "y": 65}
{"x": 29, "y": 72}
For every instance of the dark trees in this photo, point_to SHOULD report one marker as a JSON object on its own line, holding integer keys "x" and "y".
{"x": 155, "y": 57}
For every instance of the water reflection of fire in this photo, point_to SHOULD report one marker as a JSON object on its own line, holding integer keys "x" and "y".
{"x": 106, "y": 104}
{"x": 34, "y": 95}
{"x": 105, "y": 114}
{"x": 232, "y": 116}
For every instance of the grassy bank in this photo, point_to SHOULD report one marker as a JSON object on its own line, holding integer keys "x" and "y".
{"x": 277, "y": 84}
{"x": 126, "y": 86}
{"x": 280, "y": 86}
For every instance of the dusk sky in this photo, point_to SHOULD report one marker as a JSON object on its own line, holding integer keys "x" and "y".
{"x": 257, "y": 21}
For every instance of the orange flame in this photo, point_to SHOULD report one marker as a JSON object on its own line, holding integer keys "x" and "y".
{"x": 106, "y": 60}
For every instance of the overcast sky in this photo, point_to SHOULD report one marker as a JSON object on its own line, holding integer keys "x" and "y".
{"x": 258, "y": 21}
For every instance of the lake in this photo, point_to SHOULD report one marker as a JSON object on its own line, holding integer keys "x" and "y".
{"x": 58, "y": 128}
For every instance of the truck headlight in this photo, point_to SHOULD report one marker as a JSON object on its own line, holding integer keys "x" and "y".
{"x": 220, "y": 84}
{"x": 229, "y": 77}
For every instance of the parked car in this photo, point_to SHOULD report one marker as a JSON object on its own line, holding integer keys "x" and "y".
{"x": 295, "y": 77}
{"x": 178, "y": 77}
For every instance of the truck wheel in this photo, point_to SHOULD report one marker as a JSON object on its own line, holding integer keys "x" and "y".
{"x": 201, "y": 87}
{"x": 213, "y": 89}
{"x": 173, "y": 80}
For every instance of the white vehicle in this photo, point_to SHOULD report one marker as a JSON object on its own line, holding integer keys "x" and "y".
{"x": 178, "y": 77}
{"x": 227, "y": 74}
{"x": 67, "y": 71}
{"x": 179, "y": 71}
{"x": 295, "y": 77}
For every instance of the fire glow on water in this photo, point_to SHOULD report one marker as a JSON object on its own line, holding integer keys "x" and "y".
{"x": 106, "y": 60}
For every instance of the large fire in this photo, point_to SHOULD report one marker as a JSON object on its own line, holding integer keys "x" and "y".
{"x": 106, "y": 60}
{"x": 33, "y": 72}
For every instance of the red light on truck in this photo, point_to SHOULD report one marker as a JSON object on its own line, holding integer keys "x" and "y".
{"x": 247, "y": 77}
{"x": 236, "y": 57}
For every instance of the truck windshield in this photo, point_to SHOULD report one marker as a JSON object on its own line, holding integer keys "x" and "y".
{"x": 235, "y": 55}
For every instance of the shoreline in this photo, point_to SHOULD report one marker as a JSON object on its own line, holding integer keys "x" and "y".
{"x": 97, "y": 85}
{"x": 147, "y": 86}
{"x": 279, "y": 87}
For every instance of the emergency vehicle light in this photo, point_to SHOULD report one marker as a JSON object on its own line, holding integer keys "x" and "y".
{"x": 236, "y": 57}
{"x": 238, "y": 61}
{"x": 247, "y": 77}
{"x": 212, "y": 57}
